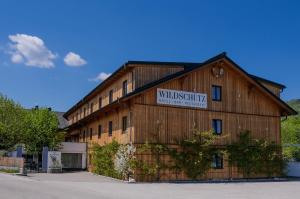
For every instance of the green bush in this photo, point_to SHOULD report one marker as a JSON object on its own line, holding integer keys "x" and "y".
{"x": 103, "y": 159}
{"x": 195, "y": 155}
{"x": 254, "y": 156}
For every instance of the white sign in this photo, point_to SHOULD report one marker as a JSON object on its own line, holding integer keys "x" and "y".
{"x": 181, "y": 98}
{"x": 54, "y": 160}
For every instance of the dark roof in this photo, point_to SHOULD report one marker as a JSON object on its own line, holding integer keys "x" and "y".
{"x": 63, "y": 123}
{"x": 188, "y": 66}
{"x": 268, "y": 81}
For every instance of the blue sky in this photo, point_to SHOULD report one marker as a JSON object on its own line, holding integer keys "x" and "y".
{"x": 35, "y": 37}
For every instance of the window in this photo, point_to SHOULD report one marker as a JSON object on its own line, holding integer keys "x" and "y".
{"x": 217, "y": 126}
{"x": 83, "y": 136}
{"x": 91, "y": 107}
{"x": 99, "y": 131}
{"x": 124, "y": 88}
{"x": 217, "y": 162}
{"x": 100, "y": 102}
{"x": 110, "y": 128}
{"x": 124, "y": 124}
{"x": 111, "y": 96}
{"x": 84, "y": 112}
{"x": 91, "y": 133}
{"x": 216, "y": 93}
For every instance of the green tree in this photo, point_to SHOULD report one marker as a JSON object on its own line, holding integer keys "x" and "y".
{"x": 11, "y": 123}
{"x": 290, "y": 131}
{"x": 41, "y": 129}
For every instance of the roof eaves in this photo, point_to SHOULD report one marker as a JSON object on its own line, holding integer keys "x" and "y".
{"x": 292, "y": 111}
{"x": 268, "y": 81}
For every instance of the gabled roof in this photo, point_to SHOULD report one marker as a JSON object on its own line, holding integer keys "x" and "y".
{"x": 290, "y": 110}
{"x": 188, "y": 67}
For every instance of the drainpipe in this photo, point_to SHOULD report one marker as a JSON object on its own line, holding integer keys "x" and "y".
{"x": 284, "y": 119}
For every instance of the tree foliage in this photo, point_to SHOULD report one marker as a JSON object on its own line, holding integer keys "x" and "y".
{"x": 34, "y": 128}
{"x": 254, "y": 156}
{"x": 11, "y": 123}
{"x": 124, "y": 161}
{"x": 194, "y": 155}
{"x": 290, "y": 130}
{"x": 41, "y": 129}
{"x": 103, "y": 159}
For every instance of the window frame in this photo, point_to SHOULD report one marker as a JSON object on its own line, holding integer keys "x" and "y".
{"x": 91, "y": 108}
{"x": 91, "y": 133}
{"x": 111, "y": 96}
{"x": 83, "y": 136}
{"x": 110, "y": 128}
{"x": 99, "y": 131}
{"x": 215, "y": 124}
{"x": 213, "y": 93}
{"x": 124, "y": 124}
{"x": 100, "y": 102}
{"x": 218, "y": 158}
{"x": 124, "y": 88}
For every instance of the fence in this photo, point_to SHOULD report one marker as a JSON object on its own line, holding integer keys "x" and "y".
{"x": 11, "y": 163}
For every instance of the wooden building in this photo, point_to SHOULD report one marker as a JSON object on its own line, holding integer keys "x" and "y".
{"x": 140, "y": 97}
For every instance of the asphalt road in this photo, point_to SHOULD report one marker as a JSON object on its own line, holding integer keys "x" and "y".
{"x": 87, "y": 186}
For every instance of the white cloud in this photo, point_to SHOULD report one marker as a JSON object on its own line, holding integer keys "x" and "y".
{"x": 100, "y": 77}
{"x": 73, "y": 59}
{"x": 30, "y": 50}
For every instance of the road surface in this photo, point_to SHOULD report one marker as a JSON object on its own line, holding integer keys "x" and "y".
{"x": 84, "y": 185}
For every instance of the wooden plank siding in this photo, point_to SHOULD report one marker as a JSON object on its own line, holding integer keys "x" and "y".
{"x": 245, "y": 105}
{"x": 149, "y": 73}
{"x": 104, "y": 94}
{"x": 274, "y": 89}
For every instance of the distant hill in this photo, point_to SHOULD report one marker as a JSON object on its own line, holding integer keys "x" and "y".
{"x": 295, "y": 104}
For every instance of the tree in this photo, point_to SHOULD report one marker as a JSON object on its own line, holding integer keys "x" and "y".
{"x": 11, "y": 123}
{"x": 41, "y": 129}
{"x": 291, "y": 138}
{"x": 290, "y": 130}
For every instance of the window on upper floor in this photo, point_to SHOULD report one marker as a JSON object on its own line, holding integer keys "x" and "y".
{"x": 83, "y": 136}
{"x": 216, "y": 93}
{"x": 84, "y": 112}
{"x": 91, "y": 107}
{"x": 124, "y": 124}
{"x": 110, "y": 128}
{"x": 99, "y": 131}
{"x": 111, "y": 92}
{"x": 217, "y": 126}
{"x": 124, "y": 88}
{"x": 91, "y": 133}
{"x": 217, "y": 161}
{"x": 100, "y": 102}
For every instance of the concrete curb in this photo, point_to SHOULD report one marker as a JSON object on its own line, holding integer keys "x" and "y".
{"x": 110, "y": 178}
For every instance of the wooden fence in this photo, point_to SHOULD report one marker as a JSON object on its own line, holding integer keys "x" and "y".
{"x": 13, "y": 163}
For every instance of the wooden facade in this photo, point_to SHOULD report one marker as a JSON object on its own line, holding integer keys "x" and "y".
{"x": 247, "y": 103}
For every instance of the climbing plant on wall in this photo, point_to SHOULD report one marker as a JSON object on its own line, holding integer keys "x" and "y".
{"x": 194, "y": 156}
{"x": 255, "y": 156}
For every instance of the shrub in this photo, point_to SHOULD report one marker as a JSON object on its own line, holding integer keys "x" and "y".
{"x": 124, "y": 160}
{"x": 103, "y": 159}
{"x": 254, "y": 156}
